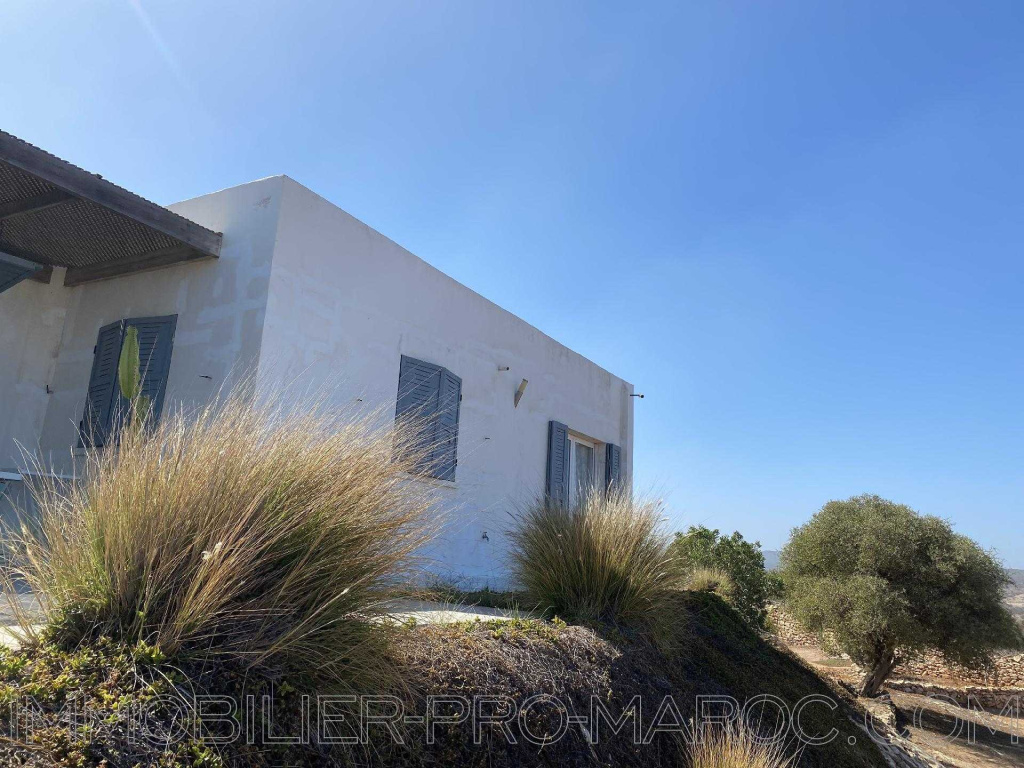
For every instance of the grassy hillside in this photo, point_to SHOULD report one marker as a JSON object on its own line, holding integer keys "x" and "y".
{"x": 716, "y": 655}
{"x": 723, "y": 653}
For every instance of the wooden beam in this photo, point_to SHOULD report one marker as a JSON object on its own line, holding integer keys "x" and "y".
{"x": 161, "y": 258}
{"x": 43, "y": 275}
{"x": 33, "y": 204}
{"x": 89, "y": 186}
{"x": 14, "y": 269}
{"x": 13, "y": 250}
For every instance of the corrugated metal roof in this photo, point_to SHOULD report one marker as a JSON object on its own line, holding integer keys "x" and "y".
{"x": 57, "y": 214}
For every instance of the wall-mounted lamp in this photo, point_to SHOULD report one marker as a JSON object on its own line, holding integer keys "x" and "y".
{"x": 502, "y": 367}
{"x": 519, "y": 392}
{"x": 640, "y": 396}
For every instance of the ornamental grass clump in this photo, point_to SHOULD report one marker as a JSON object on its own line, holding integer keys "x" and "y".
{"x": 253, "y": 535}
{"x": 739, "y": 747}
{"x": 601, "y": 559}
{"x": 713, "y": 580}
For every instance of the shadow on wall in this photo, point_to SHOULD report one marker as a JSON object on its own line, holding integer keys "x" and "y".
{"x": 16, "y": 503}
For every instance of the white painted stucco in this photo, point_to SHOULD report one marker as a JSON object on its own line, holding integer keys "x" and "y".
{"x": 303, "y": 292}
{"x": 345, "y": 303}
{"x": 32, "y": 320}
{"x": 220, "y": 307}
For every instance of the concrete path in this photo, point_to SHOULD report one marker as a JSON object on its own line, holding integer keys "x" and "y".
{"x": 403, "y": 611}
{"x": 27, "y": 603}
{"x": 11, "y": 637}
{"x": 428, "y": 612}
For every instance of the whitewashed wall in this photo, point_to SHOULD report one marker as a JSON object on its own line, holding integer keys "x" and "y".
{"x": 315, "y": 297}
{"x": 32, "y": 318}
{"x": 345, "y": 303}
{"x": 220, "y": 306}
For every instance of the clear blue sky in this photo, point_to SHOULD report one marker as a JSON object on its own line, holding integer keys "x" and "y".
{"x": 797, "y": 227}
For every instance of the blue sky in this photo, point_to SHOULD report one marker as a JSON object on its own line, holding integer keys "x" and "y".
{"x": 795, "y": 226}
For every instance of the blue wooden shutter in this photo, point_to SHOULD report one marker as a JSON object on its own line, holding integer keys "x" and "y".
{"x": 419, "y": 394}
{"x": 419, "y": 388}
{"x": 558, "y": 462}
{"x": 612, "y": 465}
{"x": 13, "y": 270}
{"x": 156, "y": 342}
{"x": 431, "y": 395}
{"x": 96, "y": 423}
{"x": 447, "y": 436}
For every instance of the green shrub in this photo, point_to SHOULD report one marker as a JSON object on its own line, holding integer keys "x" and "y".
{"x": 885, "y": 580}
{"x": 246, "y": 534}
{"x": 602, "y": 559}
{"x": 741, "y": 560}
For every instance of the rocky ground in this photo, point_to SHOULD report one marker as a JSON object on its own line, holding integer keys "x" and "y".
{"x": 932, "y": 724}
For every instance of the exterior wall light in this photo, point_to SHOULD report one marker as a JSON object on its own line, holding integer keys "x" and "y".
{"x": 519, "y": 392}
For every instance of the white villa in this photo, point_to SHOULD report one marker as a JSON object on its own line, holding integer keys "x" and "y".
{"x": 271, "y": 278}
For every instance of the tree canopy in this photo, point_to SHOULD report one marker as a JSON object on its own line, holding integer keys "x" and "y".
{"x": 888, "y": 582}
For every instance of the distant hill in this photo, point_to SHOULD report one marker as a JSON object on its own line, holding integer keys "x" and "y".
{"x": 771, "y": 559}
{"x": 1015, "y": 594}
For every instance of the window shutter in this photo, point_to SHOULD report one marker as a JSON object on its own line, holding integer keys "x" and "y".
{"x": 419, "y": 394}
{"x": 419, "y": 386}
{"x": 447, "y": 437}
{"x": 558, "y": 462}
{"x": 96, "y": 423}
{"x": 612, "y": 465}
{"x": 13, "y": 270}
{"x": 156, "y": 341}
{"x": 432, "y": 395}
{"x": 105, "y": 406}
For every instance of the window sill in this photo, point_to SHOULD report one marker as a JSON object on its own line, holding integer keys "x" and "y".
{"x": 432, "y": 481}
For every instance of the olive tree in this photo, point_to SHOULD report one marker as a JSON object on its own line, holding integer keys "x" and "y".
{"x": 889, "y": 582}
{"x": 741, "y": 560}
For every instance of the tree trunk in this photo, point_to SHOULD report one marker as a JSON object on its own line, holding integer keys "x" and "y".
{"x": 878, "y": 673}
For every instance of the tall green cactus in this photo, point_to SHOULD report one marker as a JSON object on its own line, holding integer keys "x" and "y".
{"x": 129, "y": 378}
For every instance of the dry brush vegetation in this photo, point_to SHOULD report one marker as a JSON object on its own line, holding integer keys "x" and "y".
{"x": 249, "y": 549}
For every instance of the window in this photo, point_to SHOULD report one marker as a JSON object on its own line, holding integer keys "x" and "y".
{"x": 432, "y": 395}
{"x": 105, "y": 406}
{"x": 572, "y": 464}
{"x": 581, "y": 467}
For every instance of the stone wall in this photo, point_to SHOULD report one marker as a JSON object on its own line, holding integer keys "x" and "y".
{"x": 968, "y": 697}
{"x": 1007, "y": 670}
{"x": 786, "y": 628}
